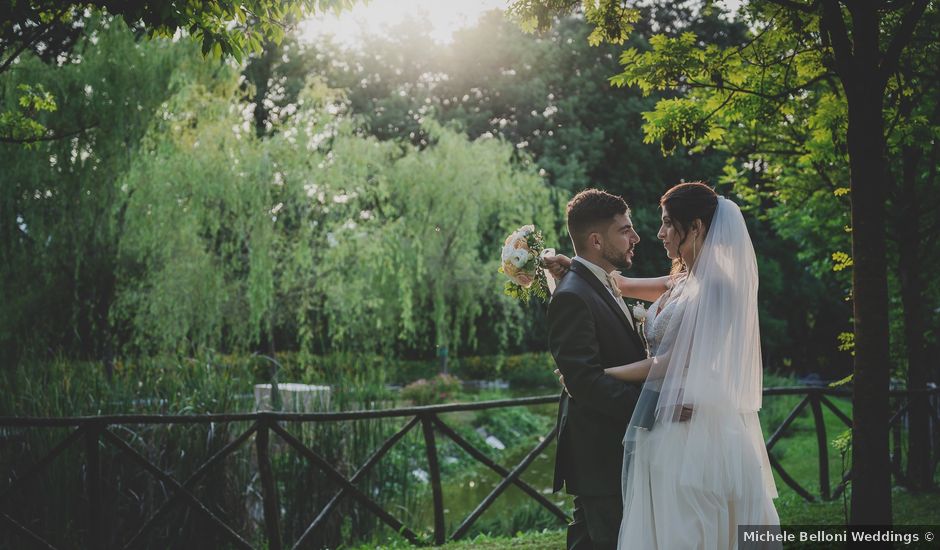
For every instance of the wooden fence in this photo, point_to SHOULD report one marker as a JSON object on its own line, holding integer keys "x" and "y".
{"x": 97, "y": 431}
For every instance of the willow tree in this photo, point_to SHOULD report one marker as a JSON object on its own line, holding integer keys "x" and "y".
{"x": 794, "y": 45}
{"x": 195, "y": 258}
{"x": 61, "y": 212}
{"x": 415, "y": 268}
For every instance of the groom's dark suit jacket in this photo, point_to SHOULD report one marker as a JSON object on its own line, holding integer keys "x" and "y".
{"x": 587, "y": 333}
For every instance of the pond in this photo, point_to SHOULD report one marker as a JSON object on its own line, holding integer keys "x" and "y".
{"x": 513, "y": 510}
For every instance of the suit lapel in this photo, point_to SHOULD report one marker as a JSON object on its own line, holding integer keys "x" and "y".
{"x": 592, "y": 281}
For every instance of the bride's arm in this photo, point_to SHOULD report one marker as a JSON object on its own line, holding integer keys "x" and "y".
{"x": 646, "y": 289}
{"x": 633, "y": 372}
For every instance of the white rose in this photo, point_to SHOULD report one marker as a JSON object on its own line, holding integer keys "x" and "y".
{"x": 507, "y": 251}
{"x": 639, "y": 313}
{"x": 519, "y": 257}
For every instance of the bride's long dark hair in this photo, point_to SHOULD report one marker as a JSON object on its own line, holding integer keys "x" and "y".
{"x": 687, "y": 202}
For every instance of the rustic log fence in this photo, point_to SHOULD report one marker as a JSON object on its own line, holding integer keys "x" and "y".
{"x": 96, "y": 431}
{"x": 817, "y": 398}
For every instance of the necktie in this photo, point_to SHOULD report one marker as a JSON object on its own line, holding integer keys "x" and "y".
{"x": 615, "y": 290}
{"x": 612, "y": 284}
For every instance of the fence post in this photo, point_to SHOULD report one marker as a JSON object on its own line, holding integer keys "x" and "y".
{"x": 823, "y": 445}
{"x": 435, "y": 470}
{"x": 93, "y": 486}
{"x": 268, "y": 485}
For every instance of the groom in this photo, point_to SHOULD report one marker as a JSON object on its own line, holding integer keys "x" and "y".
{"x": 591, "y": 328}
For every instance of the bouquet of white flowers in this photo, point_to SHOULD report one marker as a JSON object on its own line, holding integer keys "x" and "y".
{"x": 522, "y": 262}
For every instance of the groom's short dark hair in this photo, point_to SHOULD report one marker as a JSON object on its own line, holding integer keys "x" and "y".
{"x": 592, "y": 210}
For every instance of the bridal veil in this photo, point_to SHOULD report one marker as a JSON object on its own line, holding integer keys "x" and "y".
{"x": 709, "y": 360}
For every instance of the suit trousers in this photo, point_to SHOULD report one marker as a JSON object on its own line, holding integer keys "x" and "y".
{"x": 596, "y": 523}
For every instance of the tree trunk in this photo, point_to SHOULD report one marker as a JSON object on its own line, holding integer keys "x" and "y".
{"x": 871, "y": 473}
{"x": 259, "y": 72}
{"x": 919, "y": 475}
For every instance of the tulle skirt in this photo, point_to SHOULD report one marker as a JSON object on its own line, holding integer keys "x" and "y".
{"x": 674, "y": 503}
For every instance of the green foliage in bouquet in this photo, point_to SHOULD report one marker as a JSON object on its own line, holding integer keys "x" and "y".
{"x": 539, "y": 288}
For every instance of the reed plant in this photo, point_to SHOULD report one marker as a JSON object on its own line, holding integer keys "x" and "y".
{"x": 55, "y": 504}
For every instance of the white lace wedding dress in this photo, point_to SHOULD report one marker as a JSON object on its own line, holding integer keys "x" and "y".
{"x": 690, "y": 484}
{"x": 660, "y": 513}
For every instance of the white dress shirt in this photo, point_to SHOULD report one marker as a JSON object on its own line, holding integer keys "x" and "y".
{"x": 604, "y": 278}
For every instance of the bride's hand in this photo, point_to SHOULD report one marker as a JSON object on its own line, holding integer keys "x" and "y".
{"x": 561, "y": 380}
{"x": 557, "y": 265}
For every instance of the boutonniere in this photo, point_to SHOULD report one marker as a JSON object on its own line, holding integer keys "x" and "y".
{"x": 639, "y": 313}
{"x": 639, "y": 316}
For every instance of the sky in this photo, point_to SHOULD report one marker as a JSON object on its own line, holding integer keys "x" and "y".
{"x": 445, "y": 16}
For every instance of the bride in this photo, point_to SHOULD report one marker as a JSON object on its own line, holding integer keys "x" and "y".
{"x": 690, "y": 481}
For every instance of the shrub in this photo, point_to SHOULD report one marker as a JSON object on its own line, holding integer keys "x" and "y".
{"x": 512, "y": 424}
{"x": 339, "y": 369}
{"x": 526, "y": 370}
{"x": 480, "y": 367}
{"x": 429, "y": 392}
{"x": 530, "y": 370}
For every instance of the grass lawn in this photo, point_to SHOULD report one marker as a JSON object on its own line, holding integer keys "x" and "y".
{"x": 909, "y": 509}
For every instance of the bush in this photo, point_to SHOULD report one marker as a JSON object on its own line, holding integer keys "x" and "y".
{"x": 530, "y": 370}
{"x": 429, "y": 392}
{"x": 480, "y": 367}
{"x": 512, "y": 424}
{"x": 527, "y": 370}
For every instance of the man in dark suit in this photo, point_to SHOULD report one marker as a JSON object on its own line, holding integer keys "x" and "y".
{"x": 590, "y": 329}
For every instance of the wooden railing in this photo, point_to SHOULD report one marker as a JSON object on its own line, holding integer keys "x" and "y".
{"x": 818, "y": 397}
{"x": 95, "y": 431}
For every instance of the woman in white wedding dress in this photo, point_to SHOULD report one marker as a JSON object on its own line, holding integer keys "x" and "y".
{"x": 689, "y": 480}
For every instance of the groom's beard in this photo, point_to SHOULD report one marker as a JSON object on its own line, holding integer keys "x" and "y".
{"x": 620, "y": 260}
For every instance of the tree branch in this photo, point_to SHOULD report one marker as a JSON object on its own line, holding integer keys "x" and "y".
{"x": 740, "y": 49}
{"x": 47, "y": 137}
{"x": 40, "y": 31}
{"x": 720, "y": 107}
{"x": 783, "y": 94}
{"x": 779, "y": 152}
{"x": 26, "y": 44}
{"x": 821, "y": 172}
{"x": 889, "y": 61}
{"x": 890, "y": 5}
{"x": 839, "y": 36}
{"x": 794, "y": 5}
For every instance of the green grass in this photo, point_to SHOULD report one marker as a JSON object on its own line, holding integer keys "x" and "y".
{"x": 531, "y": 540}
{"x": 798, "y": 450}
{"x": 909, "y": 509}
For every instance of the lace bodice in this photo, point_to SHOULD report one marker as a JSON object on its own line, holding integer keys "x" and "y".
{"x": 657, "y": 321}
